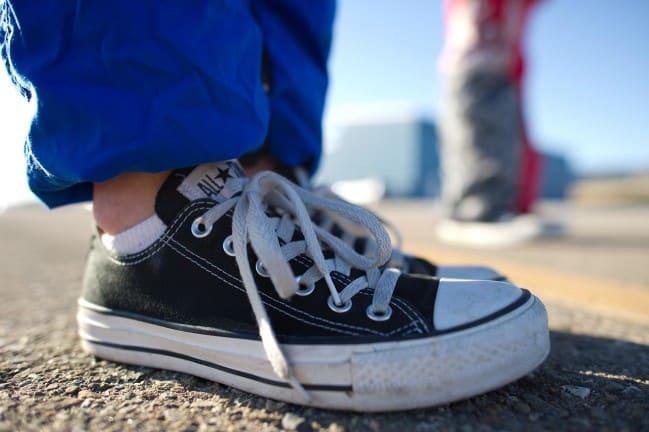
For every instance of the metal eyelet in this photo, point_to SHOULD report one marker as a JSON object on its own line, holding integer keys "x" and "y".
{"x": 228, "y": 246}
{"x": 371, "y": 314}
{"x": 199, "y": 229}
{"x": 302, "y": 290}
{"x": 340, "y": 309}
{"x": 261, "y": 269}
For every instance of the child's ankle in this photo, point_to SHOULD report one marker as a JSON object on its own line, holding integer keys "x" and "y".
{"x": 126, "y": 200}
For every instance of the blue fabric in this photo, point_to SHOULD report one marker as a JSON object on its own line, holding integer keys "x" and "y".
{"x": 297, "y": 36}
{"x": 152, "y": 85}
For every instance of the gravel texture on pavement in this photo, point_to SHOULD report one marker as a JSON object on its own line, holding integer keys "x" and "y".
{"x": 597, "y": 376}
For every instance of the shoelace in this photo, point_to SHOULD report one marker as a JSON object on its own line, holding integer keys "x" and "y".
{"x": 327, "y": 221}
{"x": 252, "y": 224}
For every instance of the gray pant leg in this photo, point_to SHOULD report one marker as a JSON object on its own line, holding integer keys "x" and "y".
{"x": 480, "y": 146}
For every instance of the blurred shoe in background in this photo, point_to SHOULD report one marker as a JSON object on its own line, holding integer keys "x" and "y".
{"x": 508, "y": 230}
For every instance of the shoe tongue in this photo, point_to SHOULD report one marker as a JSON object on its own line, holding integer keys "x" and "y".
{"x": 217, "y": 181}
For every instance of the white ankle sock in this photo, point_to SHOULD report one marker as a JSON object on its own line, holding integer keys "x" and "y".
{"x": 136, "y": 238}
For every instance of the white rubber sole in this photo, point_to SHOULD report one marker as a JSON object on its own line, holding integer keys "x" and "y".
{"x": 384, "y": 376}
{"x": 519, "y": 230}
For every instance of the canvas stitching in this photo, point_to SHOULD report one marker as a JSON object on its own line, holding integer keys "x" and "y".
{"x": 167, "y": 237}
{"x": 266, "y": 296}
{"x": 269, "y": 305}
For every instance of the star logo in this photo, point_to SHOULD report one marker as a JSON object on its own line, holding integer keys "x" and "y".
{"x": 224, "y": 174}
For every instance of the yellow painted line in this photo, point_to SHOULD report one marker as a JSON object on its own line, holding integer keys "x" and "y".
{"x": 606, "y": 297}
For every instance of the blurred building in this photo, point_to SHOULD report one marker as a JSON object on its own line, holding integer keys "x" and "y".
{"x": 395, "y": 154}
{"x": 557, "y": 177}
{"x": 398, "y": 150}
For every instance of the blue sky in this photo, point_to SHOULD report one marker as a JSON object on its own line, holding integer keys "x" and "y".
{"x": 587, "y": 92}
{"x": 587, "y": 89}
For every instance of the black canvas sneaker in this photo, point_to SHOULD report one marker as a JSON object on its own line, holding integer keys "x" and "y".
{"x": 243, "y": 289}
{"x": 356, "y": 236}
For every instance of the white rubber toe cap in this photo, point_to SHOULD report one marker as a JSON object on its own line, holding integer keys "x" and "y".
{"x": 460, "y": 302}
{"x": 468, "y": 272}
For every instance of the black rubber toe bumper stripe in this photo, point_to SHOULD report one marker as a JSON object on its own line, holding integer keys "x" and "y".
{"x": 314, "y": 387}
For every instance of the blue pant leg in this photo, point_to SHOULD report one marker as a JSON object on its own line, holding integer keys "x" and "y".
{"x": 143, "y": 85}
{"x": 297, "y": 37}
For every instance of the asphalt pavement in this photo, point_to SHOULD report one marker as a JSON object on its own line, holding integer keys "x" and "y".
{"x": 595, "y": 282}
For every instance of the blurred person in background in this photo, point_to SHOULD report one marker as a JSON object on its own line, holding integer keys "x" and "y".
{"x": 490, "y": 169}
